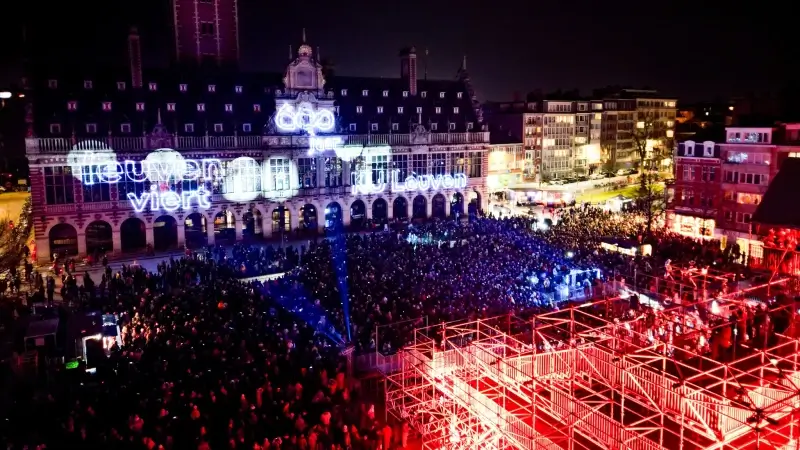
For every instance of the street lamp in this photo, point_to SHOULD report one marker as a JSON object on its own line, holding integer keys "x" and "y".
{"x": 5, "y": 94}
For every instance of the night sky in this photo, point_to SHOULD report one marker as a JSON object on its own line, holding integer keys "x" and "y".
{"x": 696, "y": 51}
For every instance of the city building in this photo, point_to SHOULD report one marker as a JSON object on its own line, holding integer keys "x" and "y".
{"x": 506, "y": 166}
{"x": 137, "y": 158}
{"x": 696, "y": 200}
{"x": 751, "y": 157}
{"x": 561, "y": 138}
{"x": 207, "y": 31}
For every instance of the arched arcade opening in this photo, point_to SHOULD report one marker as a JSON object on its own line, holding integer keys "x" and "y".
{"x": 195, "y": 229}
{"x": 99, "y": 238}
{"x": 380, "y": 211}
{"x": 308, "y": 219}
{"x": 165, "y": 233}
{"x": 420, "y": 207}
{"x": 400, "y": 208}
{"x": 438, "y": 206}
{"x": 358, "y": 214}
{"x": 252, "y": 225}
{"x": 133, "y": 235}
{"x": 333, "y": 216}
{"x": 225, "y": 227}
{"x": 63, "y": 240}
{"x": 457, "y": 205}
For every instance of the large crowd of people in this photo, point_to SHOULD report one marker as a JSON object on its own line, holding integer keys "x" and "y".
{"x": 205, "y": 360}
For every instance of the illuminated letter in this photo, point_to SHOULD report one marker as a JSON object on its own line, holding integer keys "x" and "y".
{"x": 448, "y": 182}
{"x": 424, "y": 183}
{"x": 285, "y": 118}
{"x": 111, "y": 172}
{"x": 460, "y": 180}
{"x": 212, "y": 167}
{"x": 153, "y": 197}
{"x": 395, "y": 185}
{"x": 323, "y": 120}
{"x": 411, "y": 183}
{"x": 138, "y": 203}
{"x": 132, "y": 174}
{"x": 203, "y": 198}
{"x": 192, "y": 170}
{"x": 170, "y": 201}
{"x": 436, "y": 181}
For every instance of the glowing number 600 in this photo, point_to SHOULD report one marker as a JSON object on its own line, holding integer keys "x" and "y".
{"x": 289, "y": 119}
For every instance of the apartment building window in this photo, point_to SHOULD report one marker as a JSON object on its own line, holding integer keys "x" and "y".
{"x": 379, "y": 166}
{"x": 307, "y": 172}
{"x": 423, "y": 94}
{"x": 279, "y": 174}
{"x": 188, "y": 128}
{"x": 183, "y": 87}
{"x": 55, "y": 128}
{"x": 419, "y": 110}
{"x": 452, "y": 126}
{"x": 125, "y": 128}
{"x": 120, "y": 85}
{"x": 201, "y": 107}
{"x": 59, "y": 186}
{"x": 374, "y": 127}
{"x": 459, "y": 95}
{"x": 438, "y": 110}
{"x": 469, "y": 125}
{"x": 689, "y": 173}
{"x": 405, "y": 93}
{"x": 727, "y": 196}
{"x": 91, "y": 128}
{"x": 352, "y": 127}
{"x": 94, "y": 190}
{"x": 359, "y": 109}
{"x": 52, "y": 84}
{"x": 743, "y": 217}
{"x": 709, "y": 173}
{"x": 237, "y": 89}
{"x": 455, "y": 110}
{"x": 399, "y": 110}
{"x": 475, "y": 169}
{"x": 344, "y": 92}
{"x": 87, "y": 84}
{"x": 206, "y": 28}
{"x": 395, "y": 127}
{"x": 438, "y": 163}
{"x": 333, "y": 172}
{"x": 744, "y": 198}
{"x": 419, "y": 164}
{"x": 212, "y": 88}
{"x": 380, "y": 109}
{"x": 217, "y": 128}
{"x": 434, "y": 126}
{"x": 246, "y": 127}
{"x": 385, "y": 93}
{"x": 364, "y": 93}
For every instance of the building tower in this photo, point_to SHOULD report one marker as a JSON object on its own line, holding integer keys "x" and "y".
{"x": 206, "y": 31}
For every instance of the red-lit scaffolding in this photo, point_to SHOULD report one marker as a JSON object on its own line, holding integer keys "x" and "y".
{"x": 573, "y": 379}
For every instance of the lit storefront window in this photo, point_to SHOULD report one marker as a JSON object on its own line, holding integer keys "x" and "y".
{"x": 695, "y": 227}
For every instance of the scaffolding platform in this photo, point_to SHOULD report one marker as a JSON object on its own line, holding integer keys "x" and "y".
{"x": 573, "y": 379}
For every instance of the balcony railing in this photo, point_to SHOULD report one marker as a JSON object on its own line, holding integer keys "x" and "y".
{"x": 134, "y": 144}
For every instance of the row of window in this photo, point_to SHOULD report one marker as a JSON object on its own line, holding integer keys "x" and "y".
{"x": 705, "y": 200}
{"x": 401, "y": 110}
{"x": 743, "y": 198}
{"x": 91, "y": 128}
{"x": 740, "y": 217}
{"x": 184, "y": 87}
{"x": 60, "y": 186}
{"x": 746, "y": 178}
{"x": 690, "y": 173}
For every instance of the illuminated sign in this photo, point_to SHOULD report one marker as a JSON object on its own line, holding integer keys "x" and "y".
{"x": 321, "y": 144}
{"x": 364, "y": 185}
{"x": 158, "y": 168}
{"x": 289, "y": 119}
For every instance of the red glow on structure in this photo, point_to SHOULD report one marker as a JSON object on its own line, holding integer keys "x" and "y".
{"x": 572, "y": 379}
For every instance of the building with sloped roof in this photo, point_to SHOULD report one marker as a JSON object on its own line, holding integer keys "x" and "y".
{"x": 201, "y": 153}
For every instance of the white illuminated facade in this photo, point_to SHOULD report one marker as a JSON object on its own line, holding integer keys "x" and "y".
{"x": 310, "y": 170}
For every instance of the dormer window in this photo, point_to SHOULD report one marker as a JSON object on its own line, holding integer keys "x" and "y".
{"x": 55, "y": 128}
{"x": 469, "y": 125}
{"x": 183, "y": 87}
{"x": 441, "y": 94}
{"x": 171, "y": 107}
{"x": 87, "y": 84}
{"x": 106, "y": 106}
{"x": 212, "y": 88}
{"x": 344, "y": 92}
{"x": 53, "y": 84}
{"x": 399, "y": 110}
{"x": 395, "y": 127}
{"x": 405, "y": 93}
{"x": 256, "y": 107}
{"x": 217, "y": 128}
{"x": 459, "y": 95}
{"x": 72, "y": 106}
{"x": 228, "y": 107}
{"x": 434, "y": 126}
{"x": 452, "y": 126}
{"x": 140, "y": 106}
{"x": 201, "y": 107}
{"x": 374, "y": 127}
{"x": 423, "y": 94}
{"x": 188, "y": 127}
{"x": 419, "y": 109}
{"x": 91, "y": 128}
{"x": 152, "y": 86}
{"x": 455, "y": 110}
{"x": 352, "y": 127}
{"x": 237, "y": 89}
{"x": 385, "y": 93}
{"x": 380, "y": 109}
{"x": 246, "y": 127}
{"x": 120, "y": 85}
{"x": 438, "y": 110}
{"x": 364, "y": 93}
{"x": 125, "y": 128}
{"x": 359, "y": 109}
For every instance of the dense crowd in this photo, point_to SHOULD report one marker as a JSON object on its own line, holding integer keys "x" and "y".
{"x": 206, "y": 361}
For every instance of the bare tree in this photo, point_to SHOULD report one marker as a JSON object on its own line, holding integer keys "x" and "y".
{"x": 649, "y": 137}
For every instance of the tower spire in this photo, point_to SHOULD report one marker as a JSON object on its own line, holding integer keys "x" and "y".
{"x": 464, "y": 63}
{"x": 304, "y": 35}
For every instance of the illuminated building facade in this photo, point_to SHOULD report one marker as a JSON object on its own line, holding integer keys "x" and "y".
{"x": 751, "y": 157}
{"x": 697, "y": 193}
{"x": 202, "y": 157}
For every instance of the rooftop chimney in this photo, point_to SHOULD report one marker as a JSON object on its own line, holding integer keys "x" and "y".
{"x": 408, "y": 68}
{"x": 135, "y": 56}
